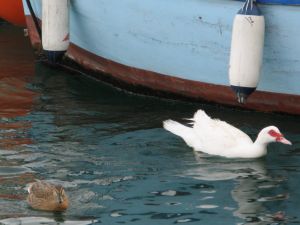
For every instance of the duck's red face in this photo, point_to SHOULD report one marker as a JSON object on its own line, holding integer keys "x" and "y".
{"x": 279, "y": 137}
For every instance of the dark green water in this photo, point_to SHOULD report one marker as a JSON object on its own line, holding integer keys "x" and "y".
{"x": 117, "y": 164}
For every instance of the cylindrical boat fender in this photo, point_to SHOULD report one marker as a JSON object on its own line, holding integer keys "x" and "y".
{"x": 55, "y": 28}
{"x": 246, "y": 50}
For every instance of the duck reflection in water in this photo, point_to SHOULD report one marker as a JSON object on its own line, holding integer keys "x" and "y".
{"x": 250, "y": 178}
{"x": 47, "y": 196}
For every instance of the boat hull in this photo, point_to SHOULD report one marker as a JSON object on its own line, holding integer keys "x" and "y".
{"x": 210, "y": 83}
{"x": 12, "y": 11}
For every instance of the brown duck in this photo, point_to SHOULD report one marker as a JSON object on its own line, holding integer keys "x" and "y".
{"x": 47, "y": 196}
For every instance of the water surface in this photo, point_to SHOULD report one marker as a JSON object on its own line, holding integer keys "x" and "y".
{"x": 108, "y": 149}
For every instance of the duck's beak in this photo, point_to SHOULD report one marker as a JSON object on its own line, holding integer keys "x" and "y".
{"x": 60, "y": 199}
{"x": 285, "y": 141}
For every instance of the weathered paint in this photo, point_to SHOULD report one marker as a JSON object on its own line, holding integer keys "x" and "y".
{"x": 189, "y": 41}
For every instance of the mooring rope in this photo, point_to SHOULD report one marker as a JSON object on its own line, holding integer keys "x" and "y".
{"x": 35, "y": 20}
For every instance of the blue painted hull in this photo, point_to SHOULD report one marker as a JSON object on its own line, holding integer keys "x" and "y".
{"x": 186, "y": 39}
{"x": 280, "y": 2}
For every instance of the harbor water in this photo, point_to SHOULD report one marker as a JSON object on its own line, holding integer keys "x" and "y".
{"x": 118, "y": 165}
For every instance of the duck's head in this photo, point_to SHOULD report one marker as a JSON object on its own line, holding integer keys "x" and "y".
{"x": 61, "y": 195}
{"x": 272, "y": 134}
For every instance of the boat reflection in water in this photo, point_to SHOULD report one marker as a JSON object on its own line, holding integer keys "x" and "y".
{"x": 16, "y": 101}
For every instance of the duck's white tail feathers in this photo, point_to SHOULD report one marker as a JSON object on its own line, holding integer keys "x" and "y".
{"x": 200, "y": 115}
{"x": 180, "y": 130}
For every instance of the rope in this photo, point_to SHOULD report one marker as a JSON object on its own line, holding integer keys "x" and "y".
{"x": 246, "y": 5}
{"x": 36, "y": 23}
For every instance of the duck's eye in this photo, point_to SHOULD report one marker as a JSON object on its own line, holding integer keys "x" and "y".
{"x": 274, "y": 134}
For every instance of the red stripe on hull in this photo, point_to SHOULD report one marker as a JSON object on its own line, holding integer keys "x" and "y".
{"x": 33, "y": 34}
{"x": 259, "y": 100}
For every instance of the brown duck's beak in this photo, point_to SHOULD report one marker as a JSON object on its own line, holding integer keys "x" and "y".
{"x": 60, "y": 199}
{"x": 283, "y": 140}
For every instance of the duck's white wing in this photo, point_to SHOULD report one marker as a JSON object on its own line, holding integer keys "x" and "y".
{"x": 216, "y": 135}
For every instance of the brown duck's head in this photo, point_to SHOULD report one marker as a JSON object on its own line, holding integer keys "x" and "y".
{"x": 61, "y": 195}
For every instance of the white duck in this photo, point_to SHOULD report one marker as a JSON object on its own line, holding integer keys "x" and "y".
{"x": 217, "y": 137}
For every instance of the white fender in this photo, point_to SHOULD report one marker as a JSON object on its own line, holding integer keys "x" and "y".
{"x": 55, "y": 25}
{"x": 246, "y": 52}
